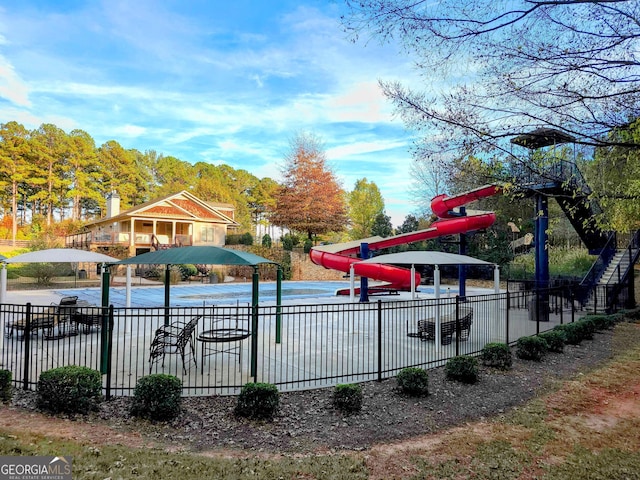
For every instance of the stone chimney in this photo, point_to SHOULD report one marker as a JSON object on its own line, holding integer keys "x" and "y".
{"x": 113, "y": 204}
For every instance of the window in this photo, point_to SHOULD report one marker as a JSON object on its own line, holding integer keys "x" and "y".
{"x": 207, "y": 234}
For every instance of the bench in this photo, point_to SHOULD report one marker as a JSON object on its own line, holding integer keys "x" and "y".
{"x": 87, "y": 315}
{"x": 427, "y": 328}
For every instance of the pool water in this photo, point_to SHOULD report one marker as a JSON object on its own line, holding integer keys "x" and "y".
{"x": 194, "y": 295}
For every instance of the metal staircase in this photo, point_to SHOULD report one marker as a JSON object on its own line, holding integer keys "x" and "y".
{"x": 603, "y": 287}
{"x": 564, "y": 181}
{"x": 605, "y": 283}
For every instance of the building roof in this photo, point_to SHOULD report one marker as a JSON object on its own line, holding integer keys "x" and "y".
{"x": 542, "y": 137}
{"x": 182, "y": 205}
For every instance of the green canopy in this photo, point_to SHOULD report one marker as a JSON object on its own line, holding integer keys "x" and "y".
{"x": 202, "y": 255}
{"x": 205, "y": 255}
{"x": 195, "y": 255}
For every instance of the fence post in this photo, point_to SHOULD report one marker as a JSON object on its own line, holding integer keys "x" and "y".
{"x": 27, "y": 348}
{"x": 279, "y": 305}
{"x": 506, "y": 333}
{"x": 109, "y": 353}
{"x": 254, "y": 325}
{"x": 537, "y": 311}
{"x": 380, "y": 340}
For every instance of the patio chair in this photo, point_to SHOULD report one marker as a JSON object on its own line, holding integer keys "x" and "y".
{"x": 87, "y": 315}
{"x": 172, "y": 339}
{"x": 47, "y": 320}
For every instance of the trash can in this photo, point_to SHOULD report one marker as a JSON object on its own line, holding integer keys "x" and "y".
{"x": 82, "y": 274}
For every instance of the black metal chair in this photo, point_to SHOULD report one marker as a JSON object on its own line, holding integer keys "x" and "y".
{"x": 172, "y": 339}
{"x": 56, "y": 315}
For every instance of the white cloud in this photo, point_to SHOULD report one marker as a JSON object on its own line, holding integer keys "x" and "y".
{"x": 12, "y": 87}
{"x": 363, "y": 148}
{"x": 129, "y": 131}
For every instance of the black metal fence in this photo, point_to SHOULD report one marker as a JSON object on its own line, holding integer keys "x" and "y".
{"x": 218, "y": 349}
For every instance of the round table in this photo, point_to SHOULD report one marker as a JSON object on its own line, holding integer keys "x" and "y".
{"x": 222, "y": 335}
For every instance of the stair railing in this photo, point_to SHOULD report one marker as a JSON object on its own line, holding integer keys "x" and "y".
{"x": 620, "y": 276}
{"x": 588, "y": 287}
{"x": 602, "y": 262}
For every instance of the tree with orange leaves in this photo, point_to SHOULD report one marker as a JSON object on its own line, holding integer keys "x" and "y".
{"x": 311, "y": 199}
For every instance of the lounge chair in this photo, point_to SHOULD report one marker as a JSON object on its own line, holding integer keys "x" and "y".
{"x": 174, "y": 338}
{"x": 47, "y": 320}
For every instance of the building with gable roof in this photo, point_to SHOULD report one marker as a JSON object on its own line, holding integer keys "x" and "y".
{"x": 176, "y": 220}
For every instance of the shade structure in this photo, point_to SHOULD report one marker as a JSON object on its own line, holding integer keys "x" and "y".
{"x": 53, "y": 255}
{"x": 422, "y": 257}
{"x": 2, "y": 257}
{"x": 61, "y": 255}
{"x": 209, "y": 255}
{"x": 204, "y": 255}
{"x": 425, "y": 257}
{"x": 195, "y": 255}
{"x": 437, "y": 259}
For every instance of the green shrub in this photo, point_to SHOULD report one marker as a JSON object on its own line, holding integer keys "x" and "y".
{"x": 603, "y": 322}
{"x": 239, "y": 239}
{"x": 289, "y": 241}
{"x": 266, "y": 240}
{"x": 462, "y": 368}
{"x": 348, "y": 398}
{"x": 5, "y": 385}
{"x": 246, "y": 239}
{"x": 632, "y": 313}
{"x": 572, "y": 331}
{"x": 187, "y": 271}
{"x": 413, "y": 381}
{"x": 70, "y": 389}
{"x": 531, "y": 348}
{"x": 157, "y": 397}
{"x": 258, "y": 401}
{"x": 588, "y": 327}
{"x": 44, "y": 273}
{"x": 497, "y": 355}
{"x": 555, "y": 340}
{"x": 308, "y": 245}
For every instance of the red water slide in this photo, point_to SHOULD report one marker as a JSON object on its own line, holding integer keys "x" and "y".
{"x": 341, "y": 256}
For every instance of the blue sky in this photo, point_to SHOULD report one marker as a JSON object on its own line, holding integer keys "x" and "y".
{"x": 221, "y": 82}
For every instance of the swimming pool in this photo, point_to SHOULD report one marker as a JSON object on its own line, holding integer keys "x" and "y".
{"x": 194, "y": 295}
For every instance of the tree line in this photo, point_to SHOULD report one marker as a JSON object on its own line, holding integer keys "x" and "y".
{"x": 50, "y": 179}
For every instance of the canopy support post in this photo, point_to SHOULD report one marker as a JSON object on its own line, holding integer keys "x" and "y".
{"x": 279, "y": 305}
{"x": 167, "y": 293}
{"x": 127, "y": 302}
{"x": 104, "y": 331}
{"x": 254, "y": 324}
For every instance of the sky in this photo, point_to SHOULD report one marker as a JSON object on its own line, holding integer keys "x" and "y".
{"x": 222, "y": 82}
